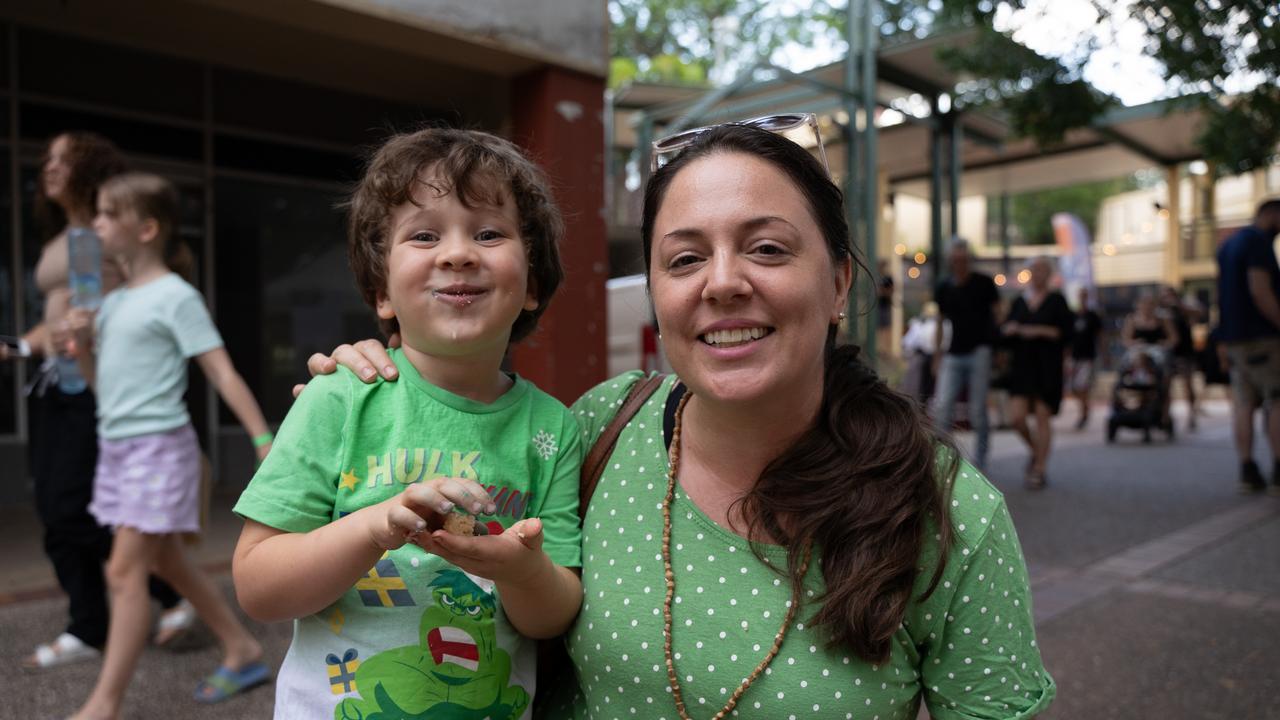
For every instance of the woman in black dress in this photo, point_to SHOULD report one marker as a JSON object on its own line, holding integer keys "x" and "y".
{"x": 1038, "y": 326}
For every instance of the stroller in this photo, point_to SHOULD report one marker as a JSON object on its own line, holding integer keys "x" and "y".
{"x": 1141, "y": 394}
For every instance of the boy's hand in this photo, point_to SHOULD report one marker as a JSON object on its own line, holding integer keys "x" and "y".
{"x": 513, "y": 557}
{"x": 262, "y": 451}
{"x": 421, "y": 508}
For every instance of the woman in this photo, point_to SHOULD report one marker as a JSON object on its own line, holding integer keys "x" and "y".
{"x": 1145, "y": 328}
{"x": 1039, "y": 324}
{"x": 1179, "y": 315}
{"x": 64, "y": 441}
{"x": 795, "y": 530}
{"x": 1154, "y": 335}
{"x": 920, "y": 344}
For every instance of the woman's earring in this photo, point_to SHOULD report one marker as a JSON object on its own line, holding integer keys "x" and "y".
{"x": 841, "y": 315}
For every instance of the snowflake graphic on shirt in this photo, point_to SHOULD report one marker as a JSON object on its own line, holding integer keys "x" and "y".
{"x": 545, "y": 444}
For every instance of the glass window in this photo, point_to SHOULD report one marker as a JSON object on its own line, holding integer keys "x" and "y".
{"x": 266, "y": 157}
{"x": 65, "y": 66}
{"x": 284, "y": 289}
{"x": 33, "y": 239}
{"x": 260, "y": 102}
{"x": 9, "y": 324}
{"x": 135, "y": 137}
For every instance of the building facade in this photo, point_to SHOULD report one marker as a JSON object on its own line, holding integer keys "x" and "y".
{"x": 262, "y": 113}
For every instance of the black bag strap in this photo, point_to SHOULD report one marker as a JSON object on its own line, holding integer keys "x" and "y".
{"x": 598, "y": 457}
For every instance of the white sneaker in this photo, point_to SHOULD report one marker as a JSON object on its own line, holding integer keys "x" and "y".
{"x": 67, "y": 648}
{"x": 174, "y": 623}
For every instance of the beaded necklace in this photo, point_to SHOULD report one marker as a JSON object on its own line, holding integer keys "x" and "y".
{"x": 781, "y": 635}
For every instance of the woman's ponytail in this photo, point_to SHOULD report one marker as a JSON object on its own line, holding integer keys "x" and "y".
{"x": 179, "y": 258}
{"x": 865, "y": 484}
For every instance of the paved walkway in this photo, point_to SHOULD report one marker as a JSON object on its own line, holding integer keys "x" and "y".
{"x": 1156, "y": 588}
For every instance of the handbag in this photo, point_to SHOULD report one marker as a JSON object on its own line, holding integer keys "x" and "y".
{"x": 553, "y": 659}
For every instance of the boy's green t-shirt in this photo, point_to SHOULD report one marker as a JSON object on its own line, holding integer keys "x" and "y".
{"x": 416, "y": 636}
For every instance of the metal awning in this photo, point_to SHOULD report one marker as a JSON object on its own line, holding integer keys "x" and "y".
{"x": 1122, "y": 142}
{"x": 991, "y": 161}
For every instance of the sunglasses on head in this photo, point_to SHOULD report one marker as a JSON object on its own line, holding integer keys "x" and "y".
{"x": 793, "y": 126}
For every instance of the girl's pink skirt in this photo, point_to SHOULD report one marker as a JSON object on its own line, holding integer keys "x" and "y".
{"x": 150, "y": 483}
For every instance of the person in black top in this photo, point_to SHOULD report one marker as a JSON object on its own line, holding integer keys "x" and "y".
{"x": 884, "y": 306}
{"x": 1039, "y": 325}
{"x": 1086, "y": 328}
{"x": 1249, "y": 330}
{"x": 968, "y": 300}
{"x": 1147, "y": 331}
{"x": 1184, "y": 351}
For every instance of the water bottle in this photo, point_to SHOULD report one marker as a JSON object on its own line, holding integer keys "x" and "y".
{"x": 84, "y": 276}
{"x": 84, "y": 267}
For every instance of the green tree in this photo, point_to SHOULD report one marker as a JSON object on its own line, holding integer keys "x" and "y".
{"x": 1223, "y": 55}
{"x": 693, "y": 41}
{"x": 1030, "y": 213}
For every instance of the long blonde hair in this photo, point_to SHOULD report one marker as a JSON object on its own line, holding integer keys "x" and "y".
{"x": 153, "y": 197}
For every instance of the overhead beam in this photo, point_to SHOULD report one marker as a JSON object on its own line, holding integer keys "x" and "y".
{"x": 1009, "y": 160}
{"x": 1136, "y": 146}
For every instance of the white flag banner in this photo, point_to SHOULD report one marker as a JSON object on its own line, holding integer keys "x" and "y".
{"x": 1076, "y": 261}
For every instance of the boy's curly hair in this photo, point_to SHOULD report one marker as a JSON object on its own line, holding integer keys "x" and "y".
{"x": 477, "y": 167}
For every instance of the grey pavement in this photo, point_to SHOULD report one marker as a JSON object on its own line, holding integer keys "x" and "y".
{"x": 1154, "y": 588}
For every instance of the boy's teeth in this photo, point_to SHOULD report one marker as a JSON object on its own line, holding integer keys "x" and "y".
{"x": 736, "y": 335}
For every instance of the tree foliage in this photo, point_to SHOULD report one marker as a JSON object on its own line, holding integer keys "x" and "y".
{"x": 1031, "y": 213}
{"x": 692, "y": 41}
{"x": 1223, "y": 54}
{"x": 1043, "y": 97}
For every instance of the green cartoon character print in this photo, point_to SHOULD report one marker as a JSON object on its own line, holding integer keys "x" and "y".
{"x": 455, "y": 672}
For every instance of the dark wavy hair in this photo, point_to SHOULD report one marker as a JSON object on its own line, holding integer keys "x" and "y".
{"x": 93, "y": 160}
{"x": 476, "y": 166}
{"x": 871, "y": 476}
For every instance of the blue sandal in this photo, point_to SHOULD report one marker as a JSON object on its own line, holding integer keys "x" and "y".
{"x": 226, "y": 682}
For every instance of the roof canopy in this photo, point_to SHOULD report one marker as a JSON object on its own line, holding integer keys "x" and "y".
{"x": 910, "y": 79}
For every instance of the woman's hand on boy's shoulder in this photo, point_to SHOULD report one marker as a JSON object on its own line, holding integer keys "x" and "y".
{"x": 360, "y": 358}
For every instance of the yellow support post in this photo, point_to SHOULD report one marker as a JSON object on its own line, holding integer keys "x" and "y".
{"x": 1173, "y": 231}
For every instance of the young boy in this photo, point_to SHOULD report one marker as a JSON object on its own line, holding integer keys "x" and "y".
{"x": 453, "y": 239}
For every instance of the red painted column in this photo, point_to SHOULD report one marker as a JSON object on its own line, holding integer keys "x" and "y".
{"x": 557, "y": 116}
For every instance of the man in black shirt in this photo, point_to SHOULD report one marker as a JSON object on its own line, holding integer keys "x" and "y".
{"x": 968, "y": 301}
{"x": 1249, "y": 330}
{"x": 1084, "y": 353}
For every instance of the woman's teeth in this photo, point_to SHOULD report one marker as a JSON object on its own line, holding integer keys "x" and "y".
{"x": 736, "y": 336}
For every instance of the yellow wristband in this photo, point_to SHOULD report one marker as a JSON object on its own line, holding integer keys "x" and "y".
{"x": 263, "y": 439}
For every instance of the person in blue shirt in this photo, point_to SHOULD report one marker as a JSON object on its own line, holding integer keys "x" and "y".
{"x": 1249, "y": 330}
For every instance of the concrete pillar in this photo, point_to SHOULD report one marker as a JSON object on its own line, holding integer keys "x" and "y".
{"x": 557, "y": 116}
